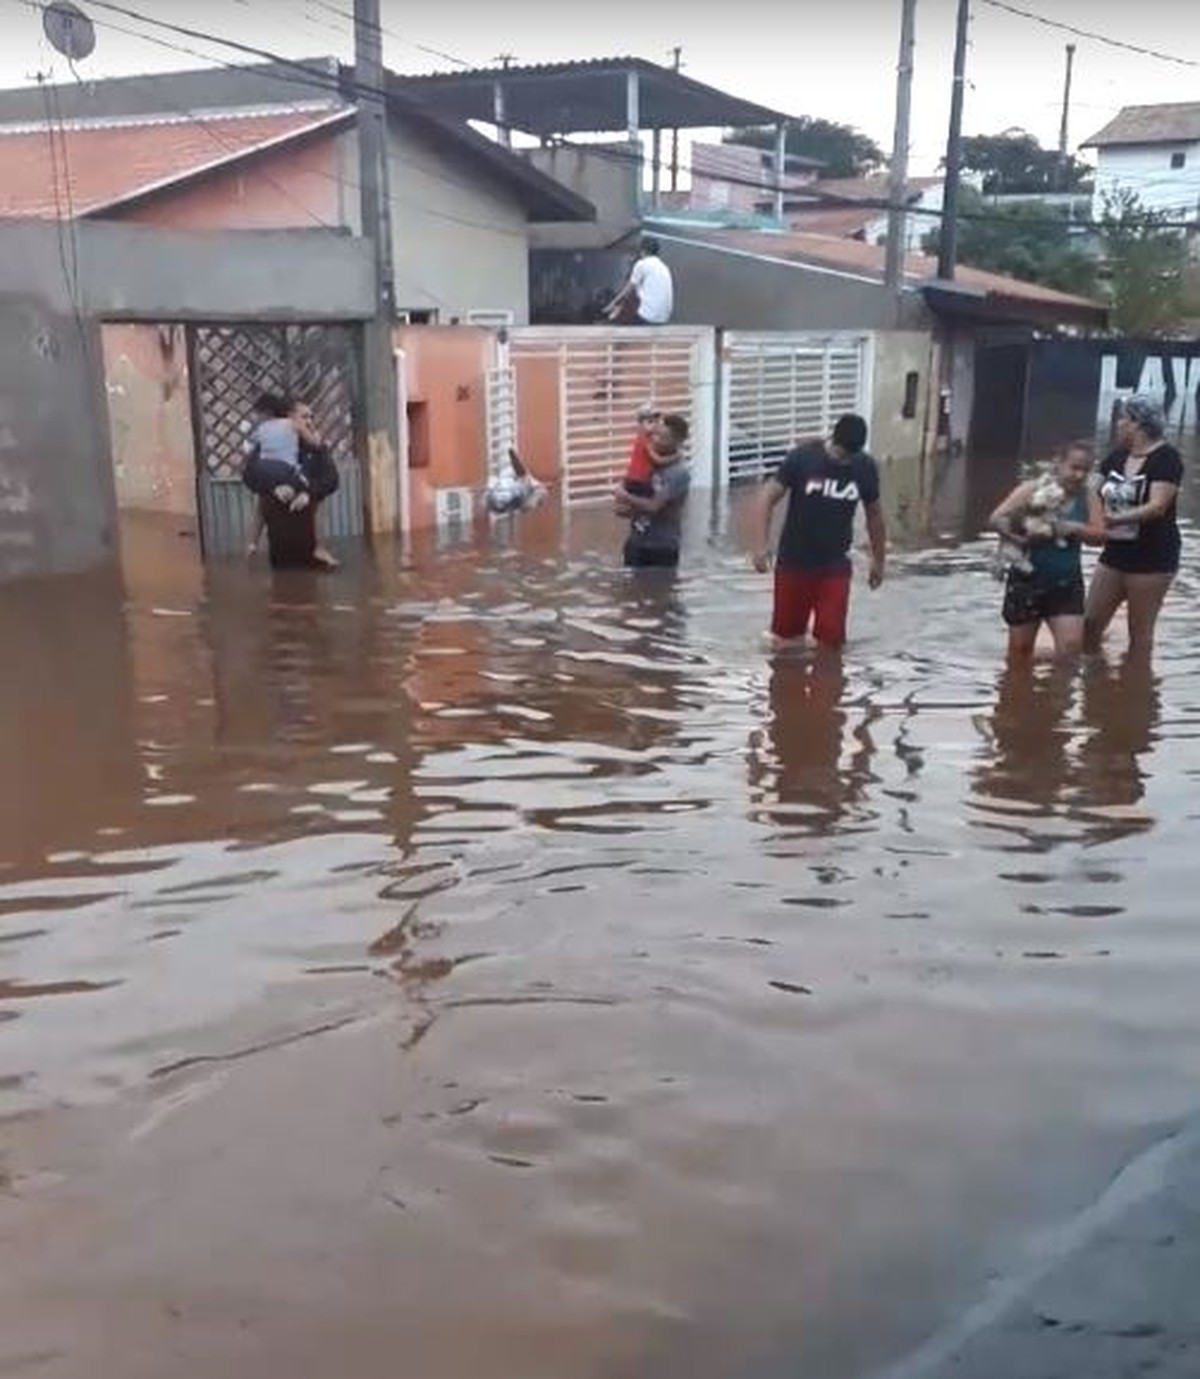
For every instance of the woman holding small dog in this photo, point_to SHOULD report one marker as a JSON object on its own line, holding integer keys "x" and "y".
{"x": 1139, "y": 489}
{"x": 1049, "y": 522}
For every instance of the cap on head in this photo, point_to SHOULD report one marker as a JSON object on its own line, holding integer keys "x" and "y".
{"x": 1145, "y": 414}
{"x": 850, "y": 433}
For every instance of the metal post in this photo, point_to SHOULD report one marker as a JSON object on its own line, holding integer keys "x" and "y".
{"x": 379, "y": 372}
{"x": 633, "y": 123}
{"x": 897, "y": 231}
{"x": 948, "y": 248}
{"x": 676, "y": 63}
{"x": 633, "y": 105}
{"x": 1064, "y": 140}
{"x": 781, "y": 133}
{"x": 656, "y": 169}
{"x": 500, "y": 115}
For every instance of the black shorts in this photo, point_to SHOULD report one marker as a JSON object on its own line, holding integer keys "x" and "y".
{"x": 1031, "y": 600}
{"x": 650, "y": 557}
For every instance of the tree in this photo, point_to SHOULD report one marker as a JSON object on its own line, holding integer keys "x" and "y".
{"x": 843, "y": 150}
{"x": 1014, "y": 164}
{"x": 1144, "y": 262}
{"x": 1028, "y": 240}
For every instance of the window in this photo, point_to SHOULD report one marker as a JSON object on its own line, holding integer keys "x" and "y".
{"x": 912, "y": 384}
{"x": 417, "y": 316}
{"x": 1179, "y": 160}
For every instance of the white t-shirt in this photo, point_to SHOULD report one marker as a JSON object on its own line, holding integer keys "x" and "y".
{"x": 656, "y": 291}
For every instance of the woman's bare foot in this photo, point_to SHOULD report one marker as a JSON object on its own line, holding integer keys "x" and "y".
{"x": 324, "y": 559}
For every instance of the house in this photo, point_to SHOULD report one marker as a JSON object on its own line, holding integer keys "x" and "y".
{"x": 833, "y": 209}
{"x": 274, "y": 146}
{"x": 238, "y": 156}
{"x": 737, "y": 177}
{"x": 1152, "y": 151}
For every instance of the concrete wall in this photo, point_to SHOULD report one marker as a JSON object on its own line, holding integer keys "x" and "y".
{"x": 609, "y": 181}
{"x": 57, "y": 511}
{"x": 739, "y": 291}
{"x": 445, "y": 378}
{"x": 134, "y": 272}
{"x": 897, "y": 353}
{"x": 461, "y": 238}
{"x": 150, "y": 420}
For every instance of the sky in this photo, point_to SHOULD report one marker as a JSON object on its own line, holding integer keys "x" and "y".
{"x": 833, "y": 60}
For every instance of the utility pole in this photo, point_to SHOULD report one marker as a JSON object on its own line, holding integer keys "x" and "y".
{"x": 379, "y": 364}
{"x": 948, "y": 248}
{"x": 1064, "y": 141}
{"x": 897, "y": 231}
{"x": 676, "y": 64}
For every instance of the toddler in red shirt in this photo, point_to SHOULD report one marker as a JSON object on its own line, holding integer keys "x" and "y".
{"x": 640, "y": 474}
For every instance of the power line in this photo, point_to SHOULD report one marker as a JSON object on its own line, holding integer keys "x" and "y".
{"x": 310, "y": 79}
{"x": 1091, "y": 34}
{"x": 391, "y": 33}
{"x": 299, "y": 74}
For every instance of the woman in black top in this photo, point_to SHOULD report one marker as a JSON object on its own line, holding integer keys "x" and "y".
{"x": 1139, "y": 488}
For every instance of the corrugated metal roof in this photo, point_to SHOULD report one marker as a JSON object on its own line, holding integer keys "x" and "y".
{"x": 588, "y": 96}
{"x": 1150, "y": 124}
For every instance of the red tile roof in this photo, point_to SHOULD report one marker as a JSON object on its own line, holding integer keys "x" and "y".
{"x": 853, "y": 256}
{"x": 111, "y": 162}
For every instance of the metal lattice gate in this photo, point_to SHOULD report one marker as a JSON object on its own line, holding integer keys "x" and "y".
{"x": 229, "y": 367}
{"x": 603, "y": 375}
{"x": 777, "y": 388}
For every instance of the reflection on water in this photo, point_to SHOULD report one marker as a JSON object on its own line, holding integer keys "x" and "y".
{"x": 498, "y": 961}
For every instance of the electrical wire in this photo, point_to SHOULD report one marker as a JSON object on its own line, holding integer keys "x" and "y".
{"x": 1091, "y": 34}
{"x": 306, "y": 76}
{"x": 391, "y": 33}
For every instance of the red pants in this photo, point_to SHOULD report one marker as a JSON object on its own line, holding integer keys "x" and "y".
{"x": 819, "y": 597}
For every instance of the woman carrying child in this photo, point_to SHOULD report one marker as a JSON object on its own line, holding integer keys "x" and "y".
{"x": 1048, "y": 585}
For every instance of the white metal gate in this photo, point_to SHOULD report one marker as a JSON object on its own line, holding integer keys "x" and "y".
{"x": 778, "y": 387}
{"x": 501, "y": 411}
{"x": 604, "y": 374}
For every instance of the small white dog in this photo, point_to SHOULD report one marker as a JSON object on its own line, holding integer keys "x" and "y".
{"x": 1035, "y": 522}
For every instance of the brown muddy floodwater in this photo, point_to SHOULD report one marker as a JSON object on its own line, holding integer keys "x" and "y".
{"x": 496, "y": 968}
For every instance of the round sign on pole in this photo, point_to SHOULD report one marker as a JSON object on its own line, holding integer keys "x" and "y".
{"x": 69, "y": 30}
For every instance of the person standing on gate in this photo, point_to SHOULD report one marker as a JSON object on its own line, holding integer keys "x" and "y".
{"x": 824, "y": 482}
{"x": 648, "y": 298}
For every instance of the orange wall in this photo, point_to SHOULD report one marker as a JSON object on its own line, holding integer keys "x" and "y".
{"x": 538, "y": 438}
{"x": 150, "y": 420}
{"x": 293, "y": 188}
{"x": 445, "y": 369}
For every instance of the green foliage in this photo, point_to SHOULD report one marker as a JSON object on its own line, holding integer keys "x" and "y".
{"x": 1015, "y": 164}
{"x": 1027, "y": 240}
{"x": 844, "y": 150}
{"x": 1145, "y": 264}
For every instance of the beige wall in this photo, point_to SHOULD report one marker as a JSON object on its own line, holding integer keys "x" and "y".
{"x": 146, "y": 379}
{"x": 609, "y": 182}
{"x": 461, "y": 240}
{"x": 898, "y": 353}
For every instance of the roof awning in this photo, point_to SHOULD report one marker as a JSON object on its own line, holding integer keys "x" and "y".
{"x": 977, "y": 306}
{"x": 589, "y": 97}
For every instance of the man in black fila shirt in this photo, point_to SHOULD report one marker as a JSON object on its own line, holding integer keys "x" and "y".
{"x": 824, "y": 482}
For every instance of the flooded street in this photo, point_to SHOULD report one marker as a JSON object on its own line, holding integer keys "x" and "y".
{"x": 490, "y": 965}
